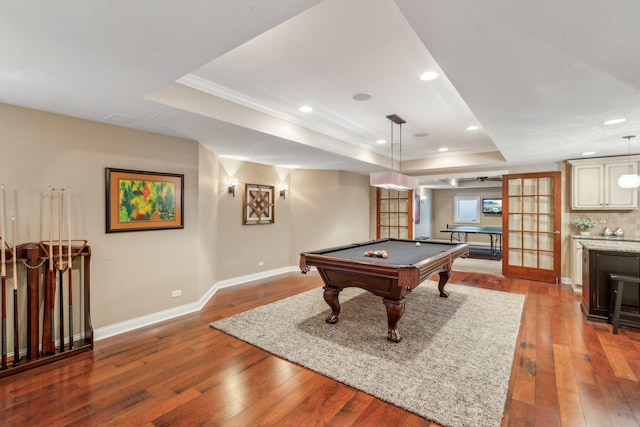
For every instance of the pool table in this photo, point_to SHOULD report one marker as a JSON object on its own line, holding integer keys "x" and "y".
{"x": 409, "y": 263}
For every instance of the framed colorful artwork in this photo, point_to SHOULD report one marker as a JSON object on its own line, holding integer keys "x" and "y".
{"x": 138, "y": 200}
{"x": 258, "y": 205}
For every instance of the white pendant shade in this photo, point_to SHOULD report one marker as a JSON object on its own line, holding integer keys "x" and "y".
{"x": 393, "y": 181}
{"x": 630, "y": 180}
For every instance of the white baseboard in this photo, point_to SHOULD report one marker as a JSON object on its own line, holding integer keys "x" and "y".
{"x": 150, "y": 319}
{"x": 569, "y": 281}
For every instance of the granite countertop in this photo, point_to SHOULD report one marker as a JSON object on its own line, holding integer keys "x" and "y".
{"x": 611, "y": 245}
{"x": 600, "y": 237}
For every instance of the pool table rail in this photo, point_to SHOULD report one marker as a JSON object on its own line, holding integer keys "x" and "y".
{"x": 407, "y": 275}
{"x": 346, "y": 266}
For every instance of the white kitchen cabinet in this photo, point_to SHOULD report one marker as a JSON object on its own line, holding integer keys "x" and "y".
{"x": 576, "y": 265}
{"x": 594, "y": 184}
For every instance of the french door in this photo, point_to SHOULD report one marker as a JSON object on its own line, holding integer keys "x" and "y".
{"x": 531, "y": 226}
{"x": 394, "y": 216}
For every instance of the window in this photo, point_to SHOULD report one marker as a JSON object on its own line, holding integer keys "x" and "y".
{"x": 467, "y": 209}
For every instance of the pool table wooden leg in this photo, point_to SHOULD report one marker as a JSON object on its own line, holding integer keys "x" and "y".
{"x": 444, "y": 278}
{"x": 395, "y": 310}
{"x": 331, "y": 297}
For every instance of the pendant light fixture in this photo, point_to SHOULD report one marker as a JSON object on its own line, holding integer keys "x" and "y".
{"x": 394, "y": 180}
{"x": 629, "y": 180}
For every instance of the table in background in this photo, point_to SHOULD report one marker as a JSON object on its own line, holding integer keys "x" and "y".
{"x": 460, "y": 233}
{"x": 392, "y": 278}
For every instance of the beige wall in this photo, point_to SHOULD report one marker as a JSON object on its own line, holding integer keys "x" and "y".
{"x": 208, "y": 192}
{"x": 331, "y": 209}
{"x": 321, "y": 209}
{"x": 242, "y": 247}
{"x": 443, "y": 212}
{"x": 133, "y": 273}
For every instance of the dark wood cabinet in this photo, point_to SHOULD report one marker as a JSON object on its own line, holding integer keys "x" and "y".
{"x": 596, "y": 284}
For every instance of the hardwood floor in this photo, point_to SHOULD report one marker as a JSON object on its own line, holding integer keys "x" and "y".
{"x": 566, "y": 372}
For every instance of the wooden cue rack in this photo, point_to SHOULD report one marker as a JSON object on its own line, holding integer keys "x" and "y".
{"x": 39, "y": 304}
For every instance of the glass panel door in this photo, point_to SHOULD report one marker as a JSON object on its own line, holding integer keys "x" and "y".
{"x": 395, "y": 214}
{"x": 532, "y": 222}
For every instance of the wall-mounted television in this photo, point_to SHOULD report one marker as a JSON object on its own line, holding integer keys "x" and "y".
{"x": 491, "y": 206}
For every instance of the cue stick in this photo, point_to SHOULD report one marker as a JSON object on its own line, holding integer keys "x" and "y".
{"x": 69, "y": 265}
{"x": 60, "y": 272}
{"x": 61, "y": 313}
{"x": 3, "y": 259}
{"x": 51, "y": 281}
{"x": 48, "y": 344}
{"x": 4, "y": 320}
{"x": 16, "y": 344}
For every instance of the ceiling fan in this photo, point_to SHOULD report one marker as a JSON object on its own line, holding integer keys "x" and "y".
{"x": 481, "y": 179}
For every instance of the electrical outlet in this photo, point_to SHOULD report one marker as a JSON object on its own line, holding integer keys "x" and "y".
{"x": 260, "y": 263}
{"x": 177, "y": 293}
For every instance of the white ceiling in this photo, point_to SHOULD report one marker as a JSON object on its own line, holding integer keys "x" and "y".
{"x": 538, "y": 78}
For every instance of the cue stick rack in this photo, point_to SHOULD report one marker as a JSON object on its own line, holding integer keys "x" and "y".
{"x": 53, "y": 314}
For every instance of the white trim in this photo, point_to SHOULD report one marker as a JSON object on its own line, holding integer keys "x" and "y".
{"x": 566, "y": 281}
{"x": 139, "y": 322}
{"x": 149, "y": 319}
{"x": 203, "y": 85}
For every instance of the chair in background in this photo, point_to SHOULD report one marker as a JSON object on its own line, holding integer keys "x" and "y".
{"x": 618, "y": 282}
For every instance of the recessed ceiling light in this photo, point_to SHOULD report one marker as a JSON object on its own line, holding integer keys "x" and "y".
{"x": 305, "y": 109}
{"x": 443, "y": 149}
{"x": 362, "y": 97}
{"x": 588, "y": 153}
{"x": 474, "y": 127}
{"x": 381, "y": 141}
{"x": 614, "y": 121}
{"x": 429, "y": 75}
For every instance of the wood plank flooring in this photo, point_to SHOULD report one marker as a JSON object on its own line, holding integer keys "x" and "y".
{"x": 566, "y": 372}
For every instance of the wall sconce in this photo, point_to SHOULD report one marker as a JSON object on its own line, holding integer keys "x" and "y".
{"x": 283, "y": 190}
{"x": 232, "y": 186}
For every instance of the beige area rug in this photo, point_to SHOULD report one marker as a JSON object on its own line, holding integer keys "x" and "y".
{"x": 478, "y": 265}
{"x": 452, "y": 366}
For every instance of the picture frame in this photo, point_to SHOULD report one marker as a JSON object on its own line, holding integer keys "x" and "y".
{"x": 142, "y": 200}
{"x": 258, "y": 205}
